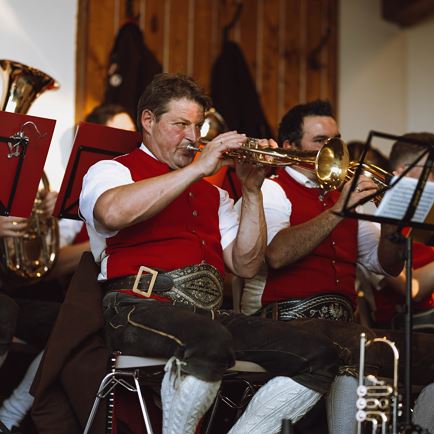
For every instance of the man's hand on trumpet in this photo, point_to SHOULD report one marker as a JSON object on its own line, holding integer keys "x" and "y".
{"x": 365, "y": 187}
{"x": 213, "y": 158}
{"x": 251, "y": 173}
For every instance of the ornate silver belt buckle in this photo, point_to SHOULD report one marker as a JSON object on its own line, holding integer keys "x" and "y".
{"x": 136, "y": 288}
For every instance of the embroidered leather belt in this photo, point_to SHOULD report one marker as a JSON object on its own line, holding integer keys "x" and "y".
{"x": 325, "y": 306}
{"x": 197, "y": 285}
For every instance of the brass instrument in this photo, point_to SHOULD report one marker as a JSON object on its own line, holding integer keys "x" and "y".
{"x": 32, "y": 256}
{"x": 331, "y": 164}
{"x": 378, "y": 402}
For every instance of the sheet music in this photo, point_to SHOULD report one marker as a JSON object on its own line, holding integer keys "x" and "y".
{"x": 396, "y": 200}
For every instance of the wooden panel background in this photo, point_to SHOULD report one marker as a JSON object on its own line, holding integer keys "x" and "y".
{"x": 289, "y": 45}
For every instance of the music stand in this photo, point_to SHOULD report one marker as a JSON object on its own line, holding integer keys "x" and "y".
{"x": 92, "y": 143}
{"x": 407, "y": 220}
{"x": 24, "y": 144}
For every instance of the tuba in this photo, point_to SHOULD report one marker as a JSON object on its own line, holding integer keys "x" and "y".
{"x": 28, "y": 258}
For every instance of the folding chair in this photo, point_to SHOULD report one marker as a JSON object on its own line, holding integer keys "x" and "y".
{"x": 125, "y": 373}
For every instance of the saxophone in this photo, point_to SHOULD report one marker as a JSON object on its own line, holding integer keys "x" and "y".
{"x": 29, "y": 258}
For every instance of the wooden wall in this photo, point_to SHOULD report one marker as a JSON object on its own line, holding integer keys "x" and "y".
{"x": 290, "y": 45}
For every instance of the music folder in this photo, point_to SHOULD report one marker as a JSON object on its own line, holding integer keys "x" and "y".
{"x": 92, "y": 143}
{"x": 24, "y": 144}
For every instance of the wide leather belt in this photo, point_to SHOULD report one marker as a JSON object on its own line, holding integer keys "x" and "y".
{"x": 197, "y": 285}
{"x": 325, "y": 306}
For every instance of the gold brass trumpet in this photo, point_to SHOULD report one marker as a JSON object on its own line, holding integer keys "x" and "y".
{"x": 331, "y": 164}
{"x": 378, "y": 402}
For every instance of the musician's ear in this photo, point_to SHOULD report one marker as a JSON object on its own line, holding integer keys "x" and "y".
{"x": 147, "y": 120}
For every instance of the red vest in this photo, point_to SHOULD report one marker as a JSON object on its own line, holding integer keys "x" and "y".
{"x": 331, "y": 266}
{"x": 186, "y": 232}
{"x": 388, "y": 299}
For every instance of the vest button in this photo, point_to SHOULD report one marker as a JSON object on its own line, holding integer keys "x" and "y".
{"x": 195, "y": 213}
{"x": 190, "y": 193}
{"x": 203, "y": 242}
{"x": 337, "y": 281}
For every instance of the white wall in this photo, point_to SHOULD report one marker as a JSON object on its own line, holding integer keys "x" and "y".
{"x": 42, "y": 34}
{"x": 386, "y": 79}
{"x": 372, "y": 90}
{"x": 420, "y": 73}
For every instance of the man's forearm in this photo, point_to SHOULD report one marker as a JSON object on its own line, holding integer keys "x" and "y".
{"x": 249, "y": 246}
{"x": 296, "y": 242}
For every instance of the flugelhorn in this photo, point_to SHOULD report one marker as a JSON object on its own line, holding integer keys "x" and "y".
{"x": 32, "y": 256}
{"x": 331, "y": 164}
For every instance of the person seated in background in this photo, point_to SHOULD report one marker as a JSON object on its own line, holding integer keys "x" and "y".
{"x": 150, "y": 212}
{"x": 390, "y": 294}
{"x": 373, "y": 155}
{"x": 30, "y": 319}
{"x": 312, "y": 251}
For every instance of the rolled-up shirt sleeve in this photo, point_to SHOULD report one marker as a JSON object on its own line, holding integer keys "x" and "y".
{"x": 102, "y": 176}
{"x": 228, "y": 219}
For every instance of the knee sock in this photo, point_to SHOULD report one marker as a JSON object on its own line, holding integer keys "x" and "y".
{"x": 185, "y": 399}
{"x": 341, "y": 405}
{"x": 280, "y": 398}
{"x": 15, "y": 408}
{"x": 423, "y": 414}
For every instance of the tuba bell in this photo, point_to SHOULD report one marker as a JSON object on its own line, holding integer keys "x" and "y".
{"x": 28, "y": 258}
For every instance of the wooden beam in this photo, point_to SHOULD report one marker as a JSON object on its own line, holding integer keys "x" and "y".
{"x": 407, "y": 13}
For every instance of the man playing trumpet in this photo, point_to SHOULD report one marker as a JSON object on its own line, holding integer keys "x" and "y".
{"x": 312, "y": 251}
{"x": 152, "y": 208}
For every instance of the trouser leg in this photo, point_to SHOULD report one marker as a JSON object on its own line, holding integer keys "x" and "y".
{"x": 158, "y": 329}
{"x": 294, "y": 349}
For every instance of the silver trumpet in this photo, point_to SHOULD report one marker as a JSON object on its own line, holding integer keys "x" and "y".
{"x": 378, "y": 402}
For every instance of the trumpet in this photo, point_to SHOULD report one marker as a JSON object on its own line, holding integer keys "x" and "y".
{"x": 331, "y": 164}
{"x": 377, "y": 401}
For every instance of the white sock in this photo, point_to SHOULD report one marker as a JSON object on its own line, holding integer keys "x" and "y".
{"x": 341, "y": 405}
{"x": 281, "y": 398}
{"x": 185, "y": 399}
{"x": 15, "y": 408}
{"x": 423, "y": 414}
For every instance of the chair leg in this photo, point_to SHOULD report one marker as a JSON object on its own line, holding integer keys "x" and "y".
{"x": 108, "y": 384}
{"x": 145, "y": 413}
{"x": 99, "y": 396}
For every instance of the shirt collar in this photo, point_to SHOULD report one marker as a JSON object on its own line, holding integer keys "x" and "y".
{"x": 300, "y": 178}
{"x": 147, "y": 151}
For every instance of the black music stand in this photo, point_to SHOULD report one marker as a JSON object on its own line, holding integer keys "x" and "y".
{"x": 407, "y": 220}
{"x": 24, "y": 144}
{"x": 92, "y": 143}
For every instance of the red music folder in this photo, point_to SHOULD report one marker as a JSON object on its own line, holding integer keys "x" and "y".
{"x": 21, "y": 166}
{"x": 92, "y": 143}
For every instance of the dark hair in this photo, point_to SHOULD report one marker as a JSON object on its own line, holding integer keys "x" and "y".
{"x": 291, "y": 125}
{"x": 166, "y": 87}
{"x": 403, "y": 152}
{"x": 103, "y": 113}
{"x": 374, "y": 156}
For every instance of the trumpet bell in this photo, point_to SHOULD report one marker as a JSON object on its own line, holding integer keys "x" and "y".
{"x": 332, "y": 162}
